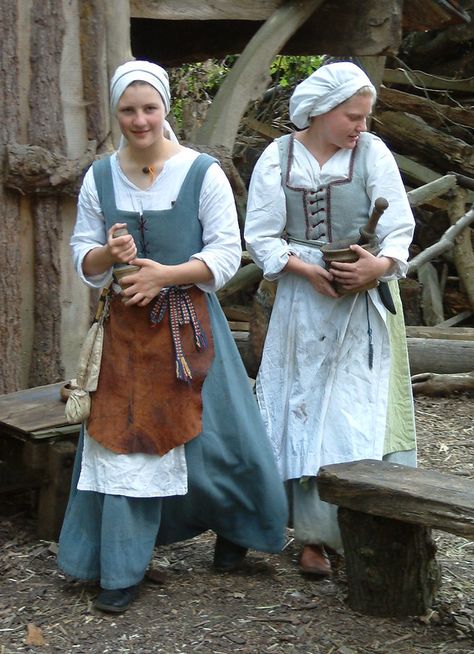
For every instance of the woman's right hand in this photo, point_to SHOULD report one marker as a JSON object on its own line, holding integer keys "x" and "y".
{"x": 122, "y": 249}
{"x": 319, "y": 278}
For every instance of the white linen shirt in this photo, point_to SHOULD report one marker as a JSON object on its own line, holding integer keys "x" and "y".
{"x": 146, "y": 475}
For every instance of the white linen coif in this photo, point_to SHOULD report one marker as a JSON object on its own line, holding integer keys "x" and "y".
{"x": 325, "y": 89}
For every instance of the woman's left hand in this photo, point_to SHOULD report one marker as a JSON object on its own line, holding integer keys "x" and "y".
{"x": 141, "y": 287}
{"x": 365, "y": 270}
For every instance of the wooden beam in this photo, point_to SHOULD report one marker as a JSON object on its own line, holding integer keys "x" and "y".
{"x": 200, "y": 10}
{"x": 249, "y": 76}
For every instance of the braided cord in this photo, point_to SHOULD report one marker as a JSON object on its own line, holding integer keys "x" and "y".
{"x": 181, "y": 312}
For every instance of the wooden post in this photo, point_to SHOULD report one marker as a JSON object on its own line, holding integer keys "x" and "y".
{"x": 54, "y": 492}
{"x": 390, "y": 565}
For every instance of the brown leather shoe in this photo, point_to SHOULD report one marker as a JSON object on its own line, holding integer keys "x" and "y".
{"x": 314, "y": 561}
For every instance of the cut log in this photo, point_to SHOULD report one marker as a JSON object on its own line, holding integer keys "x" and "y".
{"x": 440, "y": 355}
{"x": 445, "y": 152}
{"x": 431, "y": 298}
{"x": 431, "y": 190}
{"x": 410, "y": 293}
{"x": 463, "y": 252}
{"x": 237, "y": 312}
{"x": 245, "y": 279}
{"x": 433, "y": 112}
{"x": 391, "y": 568}
{"x": 441, "y": 385}
{"x": 447, "y": 333}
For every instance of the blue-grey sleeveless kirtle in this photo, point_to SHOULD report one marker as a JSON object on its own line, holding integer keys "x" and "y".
{"x": 233, "y": 485}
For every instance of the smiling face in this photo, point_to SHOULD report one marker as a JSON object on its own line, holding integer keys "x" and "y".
{"x": 342, "y": 125}
{"x": 140, "y": 114}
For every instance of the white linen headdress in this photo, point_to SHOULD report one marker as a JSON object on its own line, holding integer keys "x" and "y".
{"x": 325, "y": 89}
{"x": 139, "y": 71}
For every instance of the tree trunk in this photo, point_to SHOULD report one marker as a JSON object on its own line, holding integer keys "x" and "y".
{"x": 47, "y": 130}
{"x": 10, "y": 288}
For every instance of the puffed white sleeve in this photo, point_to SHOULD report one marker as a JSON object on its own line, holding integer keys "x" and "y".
{"x": 396, "y": 225}
{"x": 266, "y": 215}
{"x": 222, "y": 248}
{"x": 89, "y": 230}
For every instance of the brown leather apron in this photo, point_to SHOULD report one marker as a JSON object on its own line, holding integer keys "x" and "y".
{"x": 140, "y": 404}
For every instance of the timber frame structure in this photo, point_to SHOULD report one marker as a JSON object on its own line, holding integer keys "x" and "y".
{"x": 56, "y": 61}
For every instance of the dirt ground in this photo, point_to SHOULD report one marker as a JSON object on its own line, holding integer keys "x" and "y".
{"x": 268, "y": 607}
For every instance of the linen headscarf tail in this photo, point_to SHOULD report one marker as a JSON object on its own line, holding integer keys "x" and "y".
{"x": 142, "y": 71}
{"x": 325, "y": 89}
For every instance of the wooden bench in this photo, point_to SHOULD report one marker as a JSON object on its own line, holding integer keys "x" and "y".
{"x": 37, "y": 449}
{"x": 386, "y": 513}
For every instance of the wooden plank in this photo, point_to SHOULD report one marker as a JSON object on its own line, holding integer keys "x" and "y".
{"x": 33, "y": 409}
{"x": 425, "y": 497}
{"x": 201, "y": 10}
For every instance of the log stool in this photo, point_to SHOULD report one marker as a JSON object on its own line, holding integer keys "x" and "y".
{"x": 386, "y": 512}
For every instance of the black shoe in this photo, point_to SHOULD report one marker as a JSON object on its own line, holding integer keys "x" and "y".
{"x": 227, "y": 555}
{"x": 117, "y": 600}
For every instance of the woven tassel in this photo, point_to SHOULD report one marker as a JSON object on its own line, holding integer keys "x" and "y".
{"x": 183, "y": 371}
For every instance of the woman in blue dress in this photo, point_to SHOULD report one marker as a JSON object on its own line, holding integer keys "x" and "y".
{"x": 174, "y": 444}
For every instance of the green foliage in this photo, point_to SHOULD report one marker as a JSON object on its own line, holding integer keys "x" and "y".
{"x": 287, "y": 71}
{"x": 199, "y": 82}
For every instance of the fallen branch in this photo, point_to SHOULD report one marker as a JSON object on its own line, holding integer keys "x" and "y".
{"x": 429, "y": 383}
{"x": 445, "y": 243}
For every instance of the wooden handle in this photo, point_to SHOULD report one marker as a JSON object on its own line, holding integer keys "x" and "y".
{"x": 123, "y": 231}
{"x": 380, "y": 205}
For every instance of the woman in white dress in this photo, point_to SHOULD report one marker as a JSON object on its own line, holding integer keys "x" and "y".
{"x": 331, "y": 360}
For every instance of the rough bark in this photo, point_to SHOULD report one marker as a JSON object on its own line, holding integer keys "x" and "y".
{"x": 435, "y": 385}
{"x": 391, "y": 568}
{"x": 445, "y": 243}
{"x": 46, "y": 129}
{"x": 463, "y": 252}
{"x": 10, "y": 289}
{"x": 94, "y": 72}
{"x": 440, "y": 355}
{"x": 34, "y": 169}
{"x": 445, "y": 152}
{"x": 436, "y": 114}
